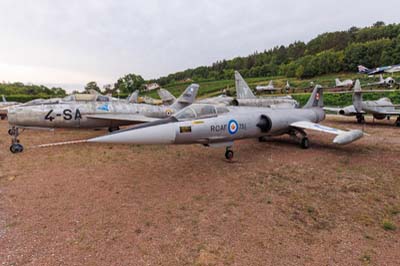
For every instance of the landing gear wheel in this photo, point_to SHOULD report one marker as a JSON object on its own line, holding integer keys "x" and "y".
{"x": 16, "y": 148}
{"x": 305, "y": 143}
{"x": 398, "y": 122}
{"x": 360, "y": 119}
{"x": 11, "y": 132}
{"x": 229, "y": 155}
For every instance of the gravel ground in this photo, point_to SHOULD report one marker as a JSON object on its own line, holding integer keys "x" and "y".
{"x": 275, "y": 204}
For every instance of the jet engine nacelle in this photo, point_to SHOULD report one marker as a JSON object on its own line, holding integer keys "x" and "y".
{"x": 265, "y": 124}
{"x": 379, "y": 117}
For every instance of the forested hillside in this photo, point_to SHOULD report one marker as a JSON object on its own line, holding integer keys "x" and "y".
{"x": 332, "y": 52}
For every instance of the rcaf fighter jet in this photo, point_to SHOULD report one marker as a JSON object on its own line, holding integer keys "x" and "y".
{"x": 99, "y": 112}
{"x": 216, "y": 126}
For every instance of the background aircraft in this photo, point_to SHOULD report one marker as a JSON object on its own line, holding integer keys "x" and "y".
{"x": 379, "y": 70}
{"x": 220, "y": 126}
{"x": 380, "y": 109}
{"x": 384, "y": 81}
{"x": 269, "y": 88}
{"x": 344, "y": 83}
{"x": 245, "y": 97}
{"x": 101, "y": 112}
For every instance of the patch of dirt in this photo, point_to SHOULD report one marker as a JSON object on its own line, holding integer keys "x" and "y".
{"x": 92, "y": 204}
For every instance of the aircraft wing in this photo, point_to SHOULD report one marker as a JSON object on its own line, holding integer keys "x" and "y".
{"x": 333, "y": 109}
{"x": 134, "y": 118}
{"x": 342, "y": 136}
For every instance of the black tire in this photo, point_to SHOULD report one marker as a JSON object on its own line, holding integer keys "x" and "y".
{"x": 398, "y": 124}
{"x": 305, "y": 143}
{"x": 20, "y": 147}
{"x": 229, "y": 155}
{"x": 16, "y": 148}
{"x": 10, "y": 132}
{"x": 262, "y": 139}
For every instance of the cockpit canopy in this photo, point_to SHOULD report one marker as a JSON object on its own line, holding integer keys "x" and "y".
{"x": 86, "y": 98}
{"x": 200, "y": 111}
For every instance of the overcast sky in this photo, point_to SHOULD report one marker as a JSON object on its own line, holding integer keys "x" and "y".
{"x": 73, "y": 42}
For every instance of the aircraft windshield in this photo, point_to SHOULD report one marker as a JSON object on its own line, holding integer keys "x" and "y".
{"x": 199, "y": 111}
{"x": 69, "y": 98}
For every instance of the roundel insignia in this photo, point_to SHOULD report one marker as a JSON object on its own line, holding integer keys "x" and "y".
{"x": 233, "y": 127}
{"x": 168, "y": 112}
{"x": 317, "y": 96}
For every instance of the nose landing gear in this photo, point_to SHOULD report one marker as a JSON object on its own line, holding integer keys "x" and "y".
{"x": 398, "y": 122}
{"x": 15, "y": 147}
{"x": 229, "y": 154}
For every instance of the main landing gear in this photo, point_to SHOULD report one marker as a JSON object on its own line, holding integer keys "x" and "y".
{"x": 300, "y": 136}
{"x": 360, "y": 118}
{"x": 15, "y": 147}
{"x": 398, "y": 122}
{"x": 229, "y": 154}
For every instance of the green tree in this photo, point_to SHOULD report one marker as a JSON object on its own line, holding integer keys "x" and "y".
{"x": 92, "y": 86}
{"x": 130, "y": 83}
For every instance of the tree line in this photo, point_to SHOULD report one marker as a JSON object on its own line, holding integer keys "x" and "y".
{"x": 340, "y": 51}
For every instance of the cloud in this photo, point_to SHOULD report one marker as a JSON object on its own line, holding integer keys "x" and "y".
{"x": 77, "y": 41}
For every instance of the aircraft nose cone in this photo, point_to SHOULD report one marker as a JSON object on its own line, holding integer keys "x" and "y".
{"x": 160, "y": 134}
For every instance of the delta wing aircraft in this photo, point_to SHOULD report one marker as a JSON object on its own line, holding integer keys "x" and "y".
{"x": 220, "y": 126}
{"x": 344, "y": 83}
{"x": 245, "y": 97}
{"x": 380, "y": 109}
{"x": 88, "y": 112}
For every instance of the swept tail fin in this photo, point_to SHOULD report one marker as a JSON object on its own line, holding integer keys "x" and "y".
{"x": 316, "y": 99}
{"x": 4, "y": 99}
{"x": 357, "y": 96}
{"x": 187, "y": 97}
{"x": 133, "y": 98}
{"x": 166, "y": 96}
{"x": 363, "y": 69}
{"x": 243, "y": 90}
{"x": 338, "y": 82}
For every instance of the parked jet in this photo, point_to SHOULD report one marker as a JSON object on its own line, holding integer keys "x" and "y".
{"x": 245, "y": 97}
{"x": 101, "y": 112}
{"x": 220, "y": 126}
{"x": 384, "y": 81}
{"x": 344, "y": 83}
{"x": 269, "y": 88}
{"x": 380, "y": 109}
{"x": 379, "y": 70}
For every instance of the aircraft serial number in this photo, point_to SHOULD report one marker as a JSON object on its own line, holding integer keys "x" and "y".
{"x": 222, "y": 128}
{"x": 66, "y": 114}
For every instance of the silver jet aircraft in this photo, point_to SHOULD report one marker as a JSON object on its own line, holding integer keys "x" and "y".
{"x": 380, "y": 109}
{"x": 216, "y": 125}
{"x": 344, "y": 83}
{"x": 269, "y": 88}
{"x": 384, "y": 81}
{"x": 102, "y": 112}
{"x": 245, "y": 97}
